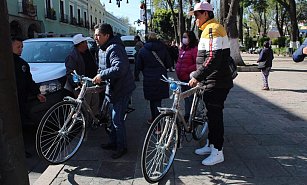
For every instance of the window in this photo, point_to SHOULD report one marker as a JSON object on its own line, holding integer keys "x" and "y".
{"x": 79, "y": 15}
{"x": 71, "y": 11}
{"x": 62, "y": 9}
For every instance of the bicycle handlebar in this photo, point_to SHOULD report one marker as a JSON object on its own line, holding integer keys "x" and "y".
{"x": 171, "y": 80}
{"x": 78, "y": 78}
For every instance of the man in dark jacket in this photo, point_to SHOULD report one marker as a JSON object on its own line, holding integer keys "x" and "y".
{"x": 115, "y": 68}
{"x": 214, "y": 72}
{"x": 25, "y": 84}
{"x": 78, "y": 60}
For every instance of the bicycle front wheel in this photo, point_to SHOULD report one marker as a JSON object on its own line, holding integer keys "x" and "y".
{"x": 199, "y": 119}
{"x": 60, "y": 132}
{"x": 159, "y": 148}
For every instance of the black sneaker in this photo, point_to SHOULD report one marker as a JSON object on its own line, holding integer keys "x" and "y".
{"x": 108, "y": 146}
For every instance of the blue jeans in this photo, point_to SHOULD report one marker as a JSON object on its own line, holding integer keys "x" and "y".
{"x": 118, "y": 134}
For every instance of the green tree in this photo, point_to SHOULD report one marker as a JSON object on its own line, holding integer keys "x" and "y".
{"x": 163, "y": 23}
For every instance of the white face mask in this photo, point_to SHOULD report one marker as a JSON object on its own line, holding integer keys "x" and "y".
{"x": 185, "y": 41}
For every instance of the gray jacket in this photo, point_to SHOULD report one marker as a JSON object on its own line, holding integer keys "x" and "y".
{"x": 74, "y": 61}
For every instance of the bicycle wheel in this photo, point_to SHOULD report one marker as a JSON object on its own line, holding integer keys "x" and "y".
{"x": 157, "y": 154}
{"x": 55, "y": 142}
{"x": 199, "y": 119}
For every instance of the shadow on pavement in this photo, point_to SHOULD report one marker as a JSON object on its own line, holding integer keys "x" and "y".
{"x": 289, "y": 70}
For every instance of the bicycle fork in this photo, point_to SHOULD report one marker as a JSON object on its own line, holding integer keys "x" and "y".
{"x": 73, "y": 114}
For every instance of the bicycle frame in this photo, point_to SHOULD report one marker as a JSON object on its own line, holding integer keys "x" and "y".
{"x": 178, "y": 95}
{"x": 80, "y": 102}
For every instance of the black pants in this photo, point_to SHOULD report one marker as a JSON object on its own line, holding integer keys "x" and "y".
{"x": 214, "y": 100}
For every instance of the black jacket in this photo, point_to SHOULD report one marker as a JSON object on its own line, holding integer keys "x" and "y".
{"x": 25, "y": 84}
{"x": 153, "y": 87}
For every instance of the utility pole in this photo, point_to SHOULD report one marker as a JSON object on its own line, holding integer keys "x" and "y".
{"x": 12, "y": 155}
{"x": 145, "y": 19}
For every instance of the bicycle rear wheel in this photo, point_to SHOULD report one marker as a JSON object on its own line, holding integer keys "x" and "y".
{"x": 55, "y": 142}
{"x": 199, "y": 119}
{"x": 157, "y": 154}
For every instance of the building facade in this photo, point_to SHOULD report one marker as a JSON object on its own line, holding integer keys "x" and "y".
{"x": 32, "y": 18}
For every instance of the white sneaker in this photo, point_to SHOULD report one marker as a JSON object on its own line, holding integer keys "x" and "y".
{"x": 215, "y": 157}
{"x": 204, "y": 150}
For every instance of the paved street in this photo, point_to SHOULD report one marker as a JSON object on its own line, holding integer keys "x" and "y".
{"x": 265, "y": 139}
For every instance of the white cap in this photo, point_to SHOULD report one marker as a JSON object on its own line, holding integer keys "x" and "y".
{"x": 79, "y": 38}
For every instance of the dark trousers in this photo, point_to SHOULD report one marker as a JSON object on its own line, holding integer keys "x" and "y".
{"x": 187, "y": 102}
{"x": 214, "y": 100}
{"x": 154, "y": 104}
{"x": 136, "y": 70}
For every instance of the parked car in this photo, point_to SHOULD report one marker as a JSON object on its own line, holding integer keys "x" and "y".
{"x": 129, "y": 43}
{"x": 46, "y": 57}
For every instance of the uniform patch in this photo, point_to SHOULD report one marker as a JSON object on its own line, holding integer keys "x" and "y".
{"x": 24, "y": 68}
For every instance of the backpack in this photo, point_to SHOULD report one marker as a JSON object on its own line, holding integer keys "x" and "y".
{"x": 232, "y": 67}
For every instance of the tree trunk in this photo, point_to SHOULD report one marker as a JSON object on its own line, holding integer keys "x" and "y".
{"x": 240, "y": 24}
{"x": 291, "y": 8}
{"x": 12, "y": 159}
{"x": 174, "y": 20}
{"x": 295, "y": 31}
{"x": 232, "y": 32}
{"x": 181, "y": 20}
{"x": 279, "y": 23}
{"x": 224, "y": 9}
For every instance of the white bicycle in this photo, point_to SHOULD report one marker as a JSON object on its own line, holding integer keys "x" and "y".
{"x": 166, "y": 131}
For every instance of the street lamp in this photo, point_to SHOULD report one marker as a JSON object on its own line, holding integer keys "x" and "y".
{"x": 118, "y": 2}
{"x": 143, "y": 6}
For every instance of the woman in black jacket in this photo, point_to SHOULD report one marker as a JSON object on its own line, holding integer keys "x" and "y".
{"x": 154, "y": 89}
{"x": 265, "y": 63}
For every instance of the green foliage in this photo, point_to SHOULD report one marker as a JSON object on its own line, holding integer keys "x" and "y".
{"x": 262, "y": 40}
{"x": 163, "y": 23}
{"x": 301, "y": 8}
{"x": 282, "y": 41}
{"x": 248, "y": 43}
{"x": 281, "y": 51}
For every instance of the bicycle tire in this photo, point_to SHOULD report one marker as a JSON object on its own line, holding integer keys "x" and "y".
{"x": 54, "y": 143}
{"x": 157, "y": 159}
{"x": 199, "y": 119}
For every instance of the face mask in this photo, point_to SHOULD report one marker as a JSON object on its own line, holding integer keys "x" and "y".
{"x": 185, "y": 41}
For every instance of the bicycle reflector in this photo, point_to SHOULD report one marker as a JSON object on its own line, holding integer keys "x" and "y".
{"x": 173, "y": 86}
{"x": 75, "y": 78}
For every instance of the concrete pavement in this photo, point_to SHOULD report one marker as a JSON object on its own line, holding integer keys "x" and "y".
{"x": 265, "y": 139}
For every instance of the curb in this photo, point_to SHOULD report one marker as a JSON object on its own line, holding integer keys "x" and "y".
{"x": 49, "y": 175}
{"x": 248, "y": 68}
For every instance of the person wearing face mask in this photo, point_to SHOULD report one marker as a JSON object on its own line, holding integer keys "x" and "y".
{"x": 186, "y": 64}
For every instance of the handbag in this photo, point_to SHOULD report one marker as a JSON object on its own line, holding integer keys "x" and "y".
{"x": 158, "y": 58}
{"x": 261, "y": 65}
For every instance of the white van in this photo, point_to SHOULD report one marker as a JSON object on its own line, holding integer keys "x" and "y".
{"x": 129, "y": 43}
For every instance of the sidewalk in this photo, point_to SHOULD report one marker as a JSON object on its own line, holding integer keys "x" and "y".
{"x": 265, "y": 139}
